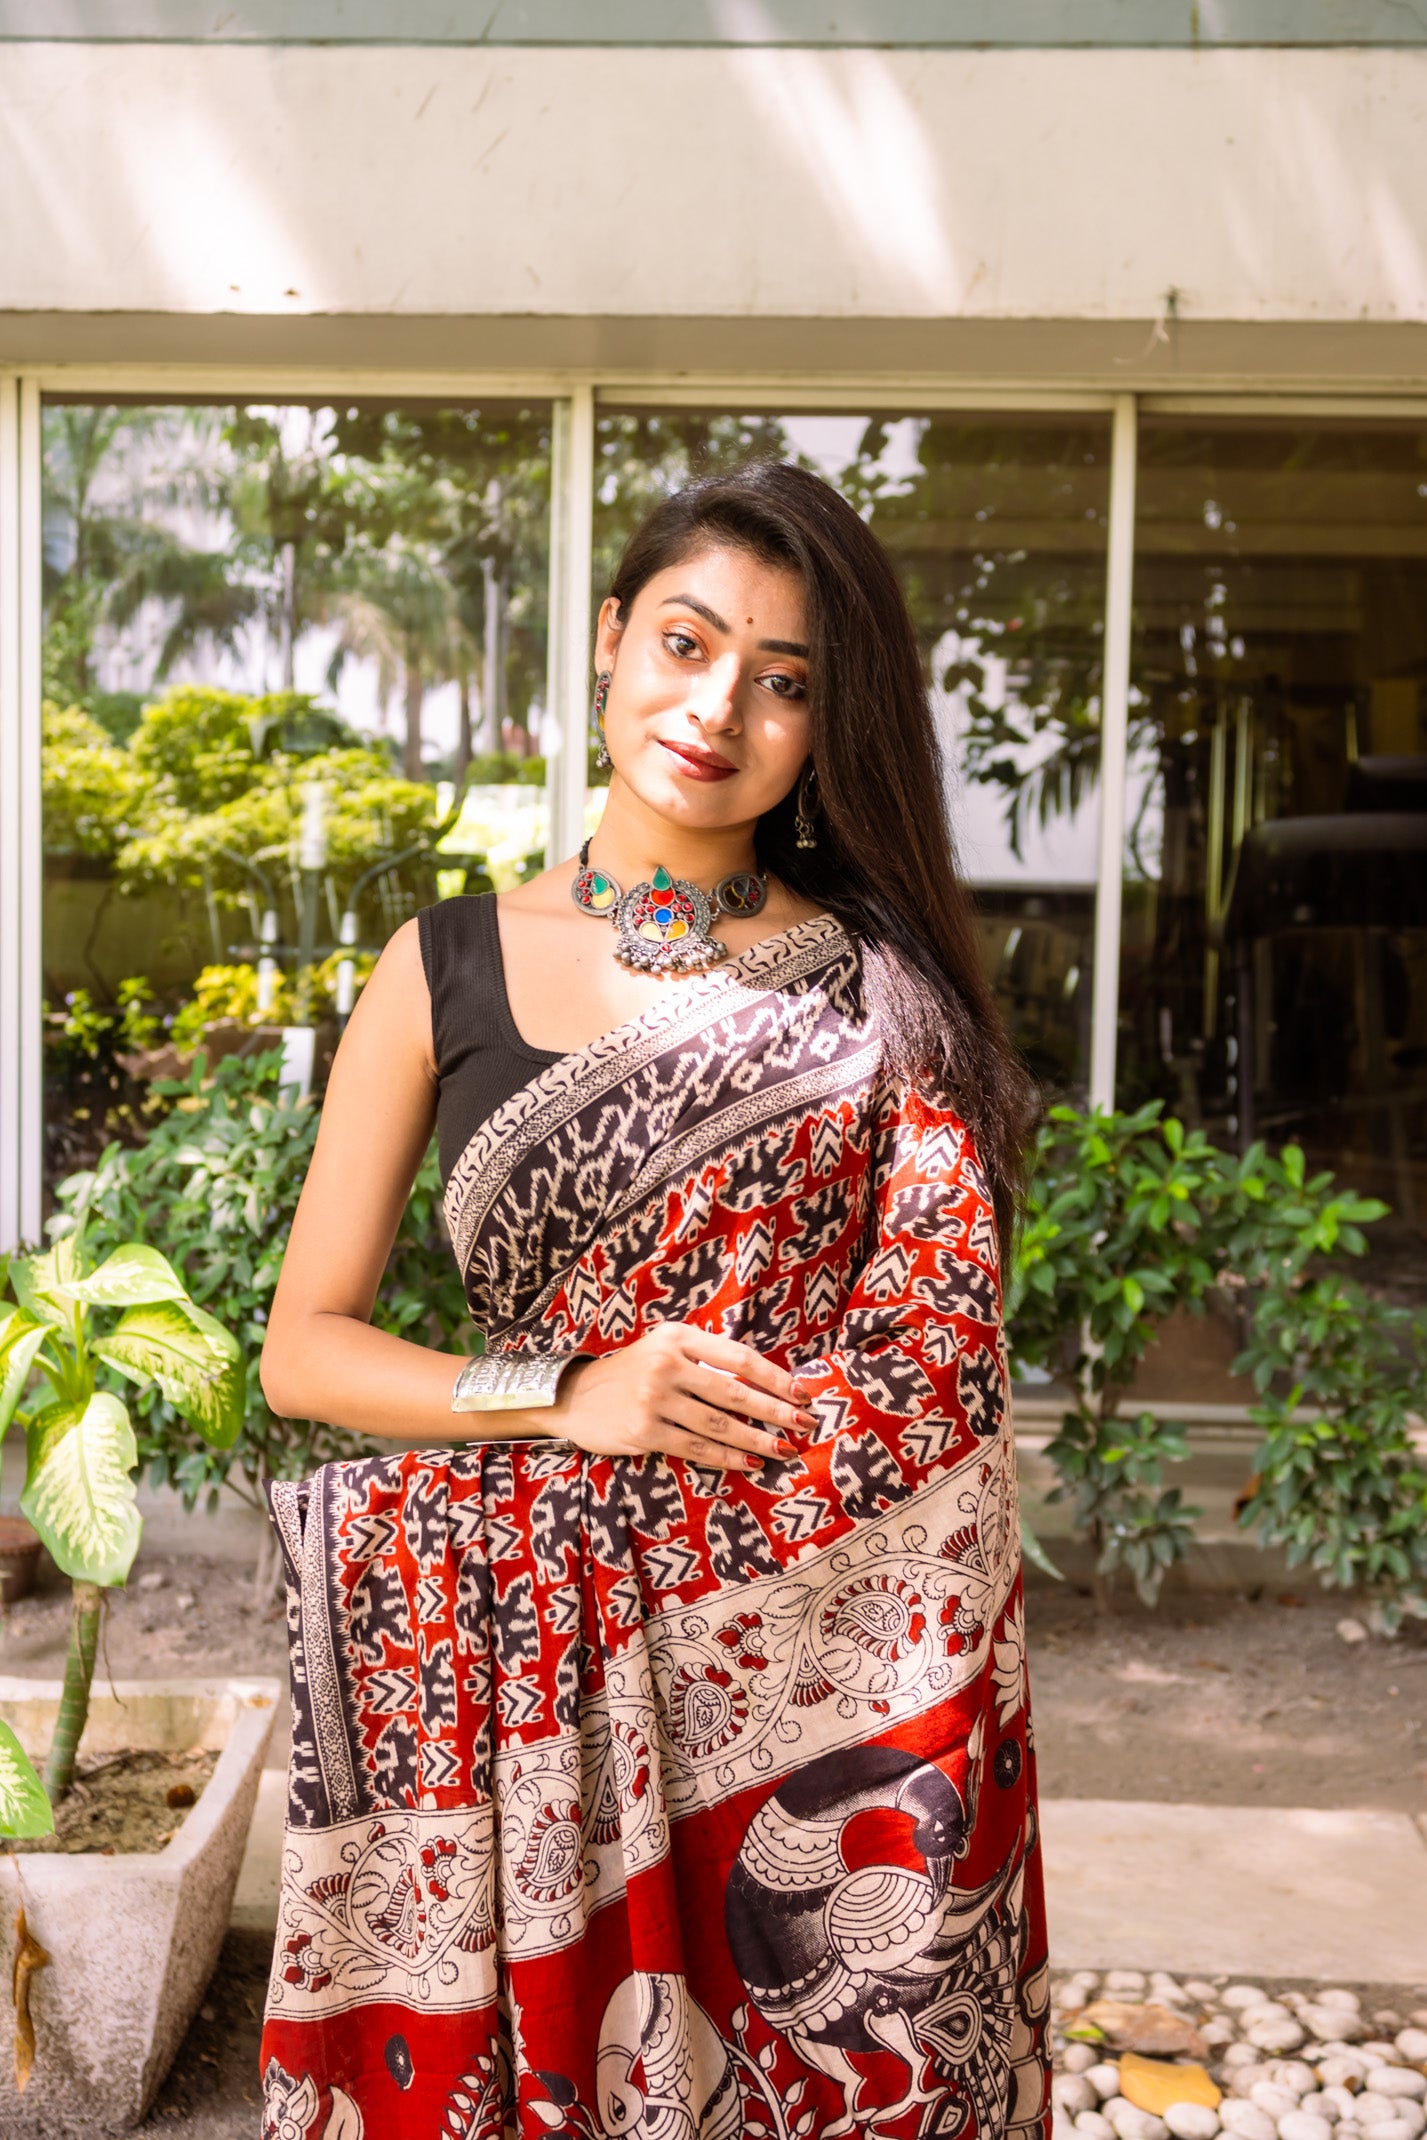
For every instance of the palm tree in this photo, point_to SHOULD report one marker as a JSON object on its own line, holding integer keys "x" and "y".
{"x": 397, "y": 609}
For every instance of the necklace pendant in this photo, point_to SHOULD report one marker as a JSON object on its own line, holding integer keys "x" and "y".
{"x": 663, "y": 927}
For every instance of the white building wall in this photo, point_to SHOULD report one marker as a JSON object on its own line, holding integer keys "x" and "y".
{"x": 1255, "y": 185}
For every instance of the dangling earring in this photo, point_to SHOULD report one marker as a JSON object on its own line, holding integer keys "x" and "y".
{"x": 602, "y": 757}
{"x": 807, "y": 803}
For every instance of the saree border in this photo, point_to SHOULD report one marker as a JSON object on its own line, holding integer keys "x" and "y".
{"x": 559, "y": 1090}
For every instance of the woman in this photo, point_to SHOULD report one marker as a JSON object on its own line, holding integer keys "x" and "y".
{"x": 661, "y": 1760}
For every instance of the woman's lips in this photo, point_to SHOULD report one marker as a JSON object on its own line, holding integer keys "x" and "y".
{"x": 699, "y": 765}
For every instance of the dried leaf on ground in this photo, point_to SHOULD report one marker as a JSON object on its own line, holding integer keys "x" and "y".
{"x": 29, "y": 1956}
{"x": 1153, "y": 2030}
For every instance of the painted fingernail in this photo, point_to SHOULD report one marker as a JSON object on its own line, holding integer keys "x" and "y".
{"x": 807, "y": 1419}
{"x": 786, "y": 1449}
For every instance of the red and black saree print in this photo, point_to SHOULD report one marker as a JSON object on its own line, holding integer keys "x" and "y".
{"x": 633, "y": 1798}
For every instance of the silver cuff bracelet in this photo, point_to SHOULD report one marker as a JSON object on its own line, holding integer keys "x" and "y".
{"x": 509, "y": 1381}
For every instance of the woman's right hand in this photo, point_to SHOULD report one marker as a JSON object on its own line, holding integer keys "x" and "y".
{"x": 680, "y": 1391}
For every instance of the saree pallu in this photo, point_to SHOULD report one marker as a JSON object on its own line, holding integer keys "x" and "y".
{"x": 629, "y": 1797}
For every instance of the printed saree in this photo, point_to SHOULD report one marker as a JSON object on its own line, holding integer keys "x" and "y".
{"x": 633, "y": 1798}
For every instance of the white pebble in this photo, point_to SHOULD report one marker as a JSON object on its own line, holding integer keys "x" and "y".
{"x": 1340, "y": 2064}
{"x": 1198, "y": 1988}
{"x": 1192, "y": 2121}
{"x": 1241, "y": 2054}
{"x": 1335, "y": 2024}
{"x": 1078, "y": 2057}
{"x": 1072, "y": 2093}
{"x": 1104, "y": 2079}
{"x": 1285, "y": 2035}
{"x": 1217, "y": 2031}
{"x": 1242, "y": 1995}
{"x": 1409, "y": 2113}
{"x": 1244, "y": 2079}
{"x": 1302, "y": 2125}
{"x": 1060, "y": 2126}
{"x": 1246, "y": 2119}
{"x": 1278, "y": 2102}
{"x": 1339, "y": 1995}
{"x": 1131, "y": 2123}
{"x": 1370, "y": 2108}
{"x": 1094, "y": 2126}
{"x": 1344, "y": 2102}
{"x": 1352, "y": 1631}
{"x": 1413, "y": 2044}
{"x": 1069, "y": 1999}
{"x": 1380, "y": 2051}
{"x": 1266, "y": 2010}
{"x": 1296, "y": 2075}
{"x": 1168, "y": 1991}
{"x": 1394, "y": 2129}
{"x": 1399, "y": 2080}
{"x": 1117, "y": 1980}
{"x": 1318, "y": 2106}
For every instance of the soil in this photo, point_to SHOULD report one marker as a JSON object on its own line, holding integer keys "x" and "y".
{"x": 1224, "y": 1698}
{"x": 1247, "y": 1698}
{"x": 134, "y": 1801}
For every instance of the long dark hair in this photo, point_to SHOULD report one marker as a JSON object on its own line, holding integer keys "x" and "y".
{"x": 883, "y": 863}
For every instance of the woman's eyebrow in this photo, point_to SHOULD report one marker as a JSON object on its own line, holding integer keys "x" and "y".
{"x": 700, "y": 609}
{"x": 711, "y": 616}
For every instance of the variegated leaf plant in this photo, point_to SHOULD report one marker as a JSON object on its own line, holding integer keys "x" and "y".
{"x": 80, "y": 1492}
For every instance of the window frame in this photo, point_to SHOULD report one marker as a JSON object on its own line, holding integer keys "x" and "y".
{"x": 576, "y": 399}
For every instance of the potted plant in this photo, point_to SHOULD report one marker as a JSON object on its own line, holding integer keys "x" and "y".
{"x": 111, "y": 1954}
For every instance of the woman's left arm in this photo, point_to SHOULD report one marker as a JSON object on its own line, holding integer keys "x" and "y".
{"x": 322, "y": 1358}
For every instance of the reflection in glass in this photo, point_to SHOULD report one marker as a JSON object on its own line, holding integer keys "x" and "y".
{"x": 278, "y": 640}
{"x": 998, "y": 528}
{"x": 1275, "y": 951}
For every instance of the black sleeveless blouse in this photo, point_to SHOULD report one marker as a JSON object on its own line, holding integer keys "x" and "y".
{"x": 480, "y": 1057}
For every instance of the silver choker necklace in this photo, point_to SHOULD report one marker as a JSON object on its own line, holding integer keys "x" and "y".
{"x": 662, "y": 926}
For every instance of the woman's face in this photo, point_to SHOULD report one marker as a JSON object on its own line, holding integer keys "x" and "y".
{"x": 706, "y": 718}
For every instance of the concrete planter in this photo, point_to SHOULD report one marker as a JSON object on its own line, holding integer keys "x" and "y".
{"x": 133, "y": 1939}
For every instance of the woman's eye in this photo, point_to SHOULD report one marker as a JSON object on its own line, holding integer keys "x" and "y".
{"x": 786, "y": 686}
{"x": 681, "y": 644}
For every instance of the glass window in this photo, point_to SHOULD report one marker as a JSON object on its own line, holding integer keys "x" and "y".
{"x": 998, "y": 527}
{"x": 278, "y": 642}
{"x": 1274, "y": 975}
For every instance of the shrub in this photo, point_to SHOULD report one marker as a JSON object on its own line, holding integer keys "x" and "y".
{"x": 1131, "y": 1216}
{"x": 216, "y": 1186}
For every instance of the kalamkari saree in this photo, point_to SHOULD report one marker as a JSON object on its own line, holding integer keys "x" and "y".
{"x": 633, "y": 1798}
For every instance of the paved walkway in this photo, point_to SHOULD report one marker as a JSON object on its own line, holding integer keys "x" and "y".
{"x": 1250, "y": 1891}
{"x": 1243, "y": 1890}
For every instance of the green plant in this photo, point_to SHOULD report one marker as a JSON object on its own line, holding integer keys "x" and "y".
{"x": 1341, "y": 1476}
{"x": 1110, "y": 1245}
{"x": 80, "y": 1449}
{"x": 1130, "y": 1216}
{"x": 139, "y": 1025}
{"x": 232, "y": 992}
{"x": 90, "y": 791}
{"x": 218, "y": 1181}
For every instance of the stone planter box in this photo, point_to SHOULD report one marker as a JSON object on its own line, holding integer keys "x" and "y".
{"x": 133, "y": 1939}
